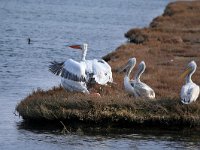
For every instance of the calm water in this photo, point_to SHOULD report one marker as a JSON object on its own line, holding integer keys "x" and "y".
{"x": 51, "y": 25}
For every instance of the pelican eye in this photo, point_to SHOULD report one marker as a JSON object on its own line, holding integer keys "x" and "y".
{"x": 101, "y": 61}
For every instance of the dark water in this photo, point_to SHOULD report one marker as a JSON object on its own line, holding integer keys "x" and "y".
{"x": 51, "y": 25}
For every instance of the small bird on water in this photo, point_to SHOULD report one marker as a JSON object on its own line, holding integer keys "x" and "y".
{"x": 29, "y": 41}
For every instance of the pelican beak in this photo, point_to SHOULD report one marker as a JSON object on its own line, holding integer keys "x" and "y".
{"x": 75, "y": 46}
{"x": 183, "y": 75}
{"x": 123, "y": 68}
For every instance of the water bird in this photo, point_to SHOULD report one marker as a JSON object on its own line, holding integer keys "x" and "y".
{"x": 189, "y": 91}
{"x": 136, "y": 87}
{"x": 98, "y": 69}
{"x": 29, "y": 41}
{"x": 77, "y": 76}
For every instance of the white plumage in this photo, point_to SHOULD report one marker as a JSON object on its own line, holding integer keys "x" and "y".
{"x": 76, "y": 75}
{"x": 189, "y": 91}
{"x": 100, "y": 70}
{"x": 73, "y": 75}
{"x": 136, "y": 87}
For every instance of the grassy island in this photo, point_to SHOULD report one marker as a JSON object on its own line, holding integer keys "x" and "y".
{"x": 167, "y": 45}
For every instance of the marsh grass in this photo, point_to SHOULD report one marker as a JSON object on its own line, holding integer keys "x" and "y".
{"x": 171, "y": 41}
{"x": 57, "y": 104}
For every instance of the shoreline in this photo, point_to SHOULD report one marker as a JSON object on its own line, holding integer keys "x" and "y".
{"x": 166, "y": 46}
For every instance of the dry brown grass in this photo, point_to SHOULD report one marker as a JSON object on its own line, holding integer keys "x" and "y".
{"x": 171, "y": 41}
{"x": 57, "y": 104}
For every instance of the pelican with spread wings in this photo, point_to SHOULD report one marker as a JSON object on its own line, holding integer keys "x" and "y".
{"x": 75, "y": 76}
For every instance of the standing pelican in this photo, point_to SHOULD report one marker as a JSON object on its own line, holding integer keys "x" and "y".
{"x": 136, "y": 87}
{"x": 142, "y": 89}
{"x": 77, "y": 75}
{"x": 189, "y": 91}
{"x": 127, "y": 84}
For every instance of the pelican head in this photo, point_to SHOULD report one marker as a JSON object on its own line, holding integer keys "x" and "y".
{"x": 191, "y": 68}
{"x": 141, "y": 69}
{"x": 82, "y": 47}
{"x": 130, "y": 65}
{"x": 192, "y": 65}
{"x": 142, "y": 66}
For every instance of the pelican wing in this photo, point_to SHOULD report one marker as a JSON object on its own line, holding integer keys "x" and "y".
{"x": 142, "y": 90}
{"x": 70, "y": 69}
{"x": 189, "y": 93}
{"x": 56, "y": 67}
{"x": 101, "y": 71}
{"x": 89, "y": 66}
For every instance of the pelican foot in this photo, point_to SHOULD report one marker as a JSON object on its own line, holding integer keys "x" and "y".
{"x": 95, "y": 95}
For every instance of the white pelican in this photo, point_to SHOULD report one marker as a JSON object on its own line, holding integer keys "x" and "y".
{"x": 75, "y": 76}
{"x": 189, "y": 91}
{"x": 136, "y": 87}
{"x": 98, "y": 70}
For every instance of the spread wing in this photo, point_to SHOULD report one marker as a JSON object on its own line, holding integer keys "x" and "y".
{"x": 70, "y": 69}
{"x": 56, "y": 67}
{"x": 101, "y": 71}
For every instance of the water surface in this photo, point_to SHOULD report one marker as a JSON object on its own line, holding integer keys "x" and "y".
{"x": 51, "y": 25}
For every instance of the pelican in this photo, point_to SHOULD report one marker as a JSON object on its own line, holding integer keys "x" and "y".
{"x": 189, "y": 91}
{"x": 98, "y": 69}
{"x": 75, "y": 76}
{"x": 136, "y": 87}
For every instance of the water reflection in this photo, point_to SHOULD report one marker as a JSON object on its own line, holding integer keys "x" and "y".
{"x": 113, "y": 138}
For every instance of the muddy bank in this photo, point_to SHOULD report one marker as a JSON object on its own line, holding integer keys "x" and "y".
{"x": 167, "y": 45}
